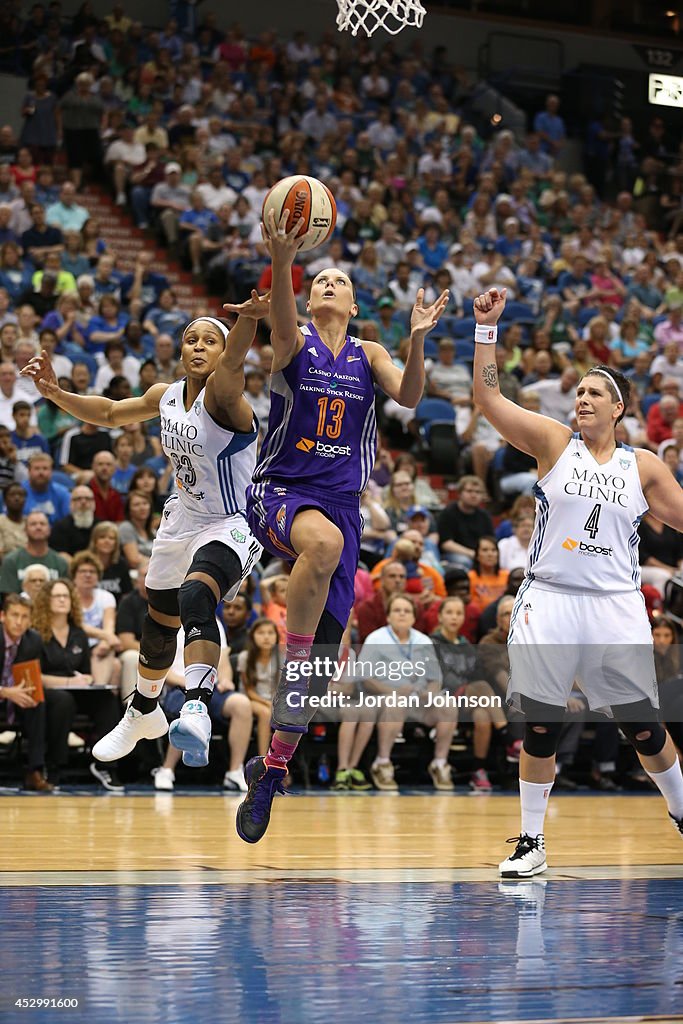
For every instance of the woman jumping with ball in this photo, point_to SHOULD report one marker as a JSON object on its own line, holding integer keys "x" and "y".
{"x": 580, "y": 613}
{"x": 316, "y": 459}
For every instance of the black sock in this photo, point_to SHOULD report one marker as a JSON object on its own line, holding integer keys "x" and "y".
{"x": 503, "y": 735}
{"x": 479, "y": 764}
{"x": 142, "y": 703}
{"x": 201, "y": 693}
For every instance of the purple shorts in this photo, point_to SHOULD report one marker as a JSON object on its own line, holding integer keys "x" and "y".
{"x": 271, "y": 508}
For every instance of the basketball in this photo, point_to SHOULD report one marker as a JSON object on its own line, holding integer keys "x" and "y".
{"x": 303, "y": 197}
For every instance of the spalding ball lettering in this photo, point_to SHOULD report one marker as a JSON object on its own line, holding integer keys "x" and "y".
{"x": 307, "y": 199}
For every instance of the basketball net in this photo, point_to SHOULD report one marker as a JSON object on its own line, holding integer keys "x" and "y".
{"x": 369, "y": 15}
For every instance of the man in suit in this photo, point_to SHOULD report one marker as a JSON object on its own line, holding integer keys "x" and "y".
{"x": 18, "y": 644}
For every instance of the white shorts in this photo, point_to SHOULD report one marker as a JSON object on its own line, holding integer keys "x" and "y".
{"x": 182, "y": 533}
{"x": 601, "y": 641}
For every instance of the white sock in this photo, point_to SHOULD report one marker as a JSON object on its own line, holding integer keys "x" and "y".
{"x": 149, "y": 687}
{"x": 670, "y": 785}
{"x": 534, "y": 799}
{"x": 439, "y": 762}
{"x": 380, "y": 760}
{"x": 199, "y": 676}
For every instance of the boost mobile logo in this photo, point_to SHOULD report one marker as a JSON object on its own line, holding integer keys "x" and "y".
{"x": 586, "y": 549}
{"x": 328, "y": 451}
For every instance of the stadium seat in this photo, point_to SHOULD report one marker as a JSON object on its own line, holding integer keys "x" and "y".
{"x": 434, "y": 409}
{"x": 464, "y": 350}
{"x": 463, "y": 328}
{"x": 519, "y": 311}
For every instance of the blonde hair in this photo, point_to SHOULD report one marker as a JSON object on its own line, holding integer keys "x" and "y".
{"x": 100, "y": 530}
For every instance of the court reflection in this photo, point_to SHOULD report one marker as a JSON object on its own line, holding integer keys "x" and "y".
{"x": 323, "y": 952}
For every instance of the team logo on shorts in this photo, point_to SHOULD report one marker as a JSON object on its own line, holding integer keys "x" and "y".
{"x": 238, "y": 536}
{"x": 280, "y": 491}
{"x": 281, "y": 519}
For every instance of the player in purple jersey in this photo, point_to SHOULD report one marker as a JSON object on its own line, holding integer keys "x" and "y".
{"x": 304, "y": 504}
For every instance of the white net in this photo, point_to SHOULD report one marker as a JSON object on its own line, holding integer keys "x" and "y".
{"x": 369, "y": 15}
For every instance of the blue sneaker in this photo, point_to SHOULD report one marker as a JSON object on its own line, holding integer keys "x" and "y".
{"x": 253, "y": 814}
{"x": 191, "y": 733}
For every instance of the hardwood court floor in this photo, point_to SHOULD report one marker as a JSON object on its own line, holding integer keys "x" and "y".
{"x": 330, "y": 833}
{"x": 149, "y": 910}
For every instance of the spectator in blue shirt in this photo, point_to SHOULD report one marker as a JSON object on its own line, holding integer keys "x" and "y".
{"x": 550, "y": 126}
{"x": 642, "y": 288}
{"x": 42, "y": 493}
{"x": 193, "y": 224}
{"x": 574, "y": 284}
{"x": 108, "y": 325}
{"x": 144, "y": 283}
{"x": 167, "y": 317}
{"x": 509, "y": 244}
{"x": 26, "y": 439}
{"x": 15, "y": 273}
{"x": 434, "y": 252}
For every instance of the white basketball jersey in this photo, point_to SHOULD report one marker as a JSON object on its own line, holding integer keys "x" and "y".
{"x": 213, "y": 465}
{"x": 586, "y": 521}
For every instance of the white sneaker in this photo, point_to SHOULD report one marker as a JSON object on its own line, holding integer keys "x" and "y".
{"x": 163, "y": 778}
{"x": 191, "y": 733}
{"x": 75, "y": 741}
{"x": 528, "y": 858}
{"x": 235, "y": 782}
{"x": 133, "y": 726}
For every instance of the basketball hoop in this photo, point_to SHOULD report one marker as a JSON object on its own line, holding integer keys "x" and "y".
{"x": 369, "y": 15}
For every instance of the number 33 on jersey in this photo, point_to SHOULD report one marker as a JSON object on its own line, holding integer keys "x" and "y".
{"x": 213, "y": 465}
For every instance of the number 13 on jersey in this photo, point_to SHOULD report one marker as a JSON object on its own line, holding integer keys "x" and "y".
{"x": 336, "y": 409}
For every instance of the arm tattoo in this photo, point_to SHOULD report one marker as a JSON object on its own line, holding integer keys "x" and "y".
{"x": 490, "y": 375}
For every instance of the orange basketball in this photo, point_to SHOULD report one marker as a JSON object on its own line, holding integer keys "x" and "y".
{"x": 303, "y": 197}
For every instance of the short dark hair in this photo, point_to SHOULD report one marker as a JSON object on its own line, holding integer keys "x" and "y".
{"x": 609, "y": 374}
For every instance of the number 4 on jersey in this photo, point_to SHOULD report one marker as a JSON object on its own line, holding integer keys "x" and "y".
{"x": 592, "y": 524}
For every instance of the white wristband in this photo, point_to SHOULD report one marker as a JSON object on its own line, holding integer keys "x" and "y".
{"x": 484, "y": 335}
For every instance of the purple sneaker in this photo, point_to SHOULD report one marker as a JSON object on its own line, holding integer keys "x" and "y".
{"x": 253, "y": 814}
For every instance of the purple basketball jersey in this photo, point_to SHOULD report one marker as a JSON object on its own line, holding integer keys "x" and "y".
{"x": 322, "y": 431}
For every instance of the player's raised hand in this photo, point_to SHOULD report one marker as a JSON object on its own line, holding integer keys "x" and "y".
{"x": 254, "y": 308}
{"x": 424, "y": 318}
{"x": 280, "y": 242}
{"x": 41, "y": 372}
{"x": 489, "y": 306}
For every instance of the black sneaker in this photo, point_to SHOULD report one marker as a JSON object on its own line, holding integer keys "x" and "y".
{"x": 677, "y": 823}
{"x": 253, "y": 814}
{"x": 107, "y": 778}
{"x": 563, "y": 781}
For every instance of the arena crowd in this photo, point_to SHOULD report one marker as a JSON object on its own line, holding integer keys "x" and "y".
{"x": 186, "y": 128}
